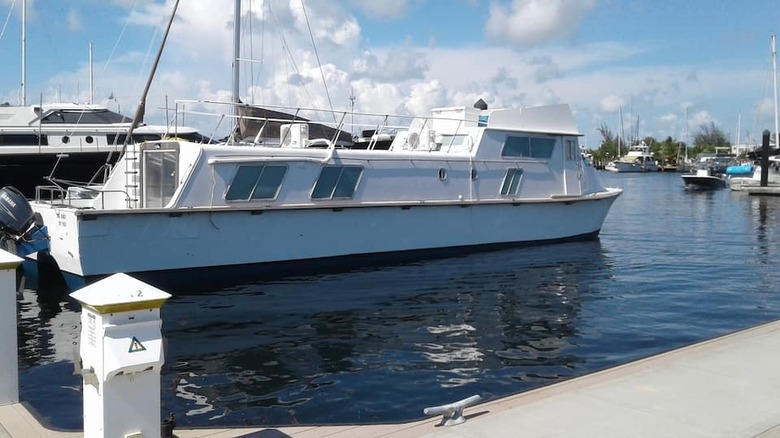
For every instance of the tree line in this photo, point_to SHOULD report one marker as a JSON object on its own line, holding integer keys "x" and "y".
{"x": 668, "y": 151}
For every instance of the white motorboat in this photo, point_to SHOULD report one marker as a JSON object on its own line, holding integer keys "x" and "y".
{"x": 710, "y": 170}
{"x": 459, "y": 180}
{"x": 638, "y": 159}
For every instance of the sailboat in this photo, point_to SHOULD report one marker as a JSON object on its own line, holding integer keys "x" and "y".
{"x": 459, "y": 179}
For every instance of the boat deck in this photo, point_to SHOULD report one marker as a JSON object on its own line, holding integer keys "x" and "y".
{"x": 725, "y": 387}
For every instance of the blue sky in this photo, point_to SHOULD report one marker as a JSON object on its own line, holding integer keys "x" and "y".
{"x": 654, "y": 59}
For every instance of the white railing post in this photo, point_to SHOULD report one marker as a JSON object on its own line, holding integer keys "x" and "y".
{"x": 9, "y": 366}
{"x": 121, "y": 351}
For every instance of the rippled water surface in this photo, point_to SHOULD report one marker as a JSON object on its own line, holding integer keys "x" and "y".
{"x": 671, "y": 268}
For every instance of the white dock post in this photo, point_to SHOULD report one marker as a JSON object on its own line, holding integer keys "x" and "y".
{"x": 9, "y": 366}
{"x": 121, "y": 351}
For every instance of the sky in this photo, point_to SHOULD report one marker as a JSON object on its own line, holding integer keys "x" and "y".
{"x": 668, "y": 67}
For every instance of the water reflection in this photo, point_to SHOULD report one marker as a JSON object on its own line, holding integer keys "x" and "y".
{"x": 377, "y": 345}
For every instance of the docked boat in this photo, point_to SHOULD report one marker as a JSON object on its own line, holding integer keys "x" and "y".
{"x": 459, "y": 180}
{"x": 638, "y": 159}
{"x": 68, "y": 142}
{"x": 710, "y": 171}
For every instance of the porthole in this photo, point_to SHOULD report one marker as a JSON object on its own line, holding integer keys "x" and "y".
{"x": 473, "y": 174}
{"x": 65, "y": 139}
{"x": 442, "y": 174}
{"x": 89, "y": 139}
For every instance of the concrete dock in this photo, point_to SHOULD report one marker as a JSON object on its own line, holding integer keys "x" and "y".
{"x": 725, "y": 387}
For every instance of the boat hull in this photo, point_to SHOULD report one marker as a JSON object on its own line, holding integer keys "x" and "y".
{"x": 92, "y": 243}
{"x": 698, "y": 182}
{"x": 621, "y": 167}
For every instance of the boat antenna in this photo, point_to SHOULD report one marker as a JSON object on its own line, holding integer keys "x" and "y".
{"x": 236, "y": 56}
{"x": 91, "y": 86}
{"x": 139, "y": 112}
{"x": 24, "y": 52}
{"x": 774, "y": 77}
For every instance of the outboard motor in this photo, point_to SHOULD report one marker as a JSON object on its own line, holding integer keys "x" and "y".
{"x": 21, "y": 229}
{"x": 16, "y": 215}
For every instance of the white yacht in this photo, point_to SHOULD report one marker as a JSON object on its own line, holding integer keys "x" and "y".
{"x": 68, "y": 142}
{"x": 458, "y": 180}
{"x": 638, "y": 159}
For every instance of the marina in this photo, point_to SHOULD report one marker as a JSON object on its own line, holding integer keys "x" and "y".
{"x": 423, "y": 266}
{"x": 404, "y": 337}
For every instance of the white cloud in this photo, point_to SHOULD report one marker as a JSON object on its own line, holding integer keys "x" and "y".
{"x": 529, "y": 23}
{"x": 611, "y": 104}
{"x": 700, "y": 118}
{"x": 764, "y": 109}
{"x": 424, "y": 96}
{"x": 74, "y": 21}
{"x": 381, "y": 9}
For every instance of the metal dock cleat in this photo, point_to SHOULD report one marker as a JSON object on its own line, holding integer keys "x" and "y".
{"x": 452, "y": 414}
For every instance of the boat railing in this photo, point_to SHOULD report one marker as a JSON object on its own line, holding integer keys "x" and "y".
{"x": 73, "y": 196}
{"x": 379, "y": 123}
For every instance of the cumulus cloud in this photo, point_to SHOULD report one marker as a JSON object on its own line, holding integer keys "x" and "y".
{"x": 381, "y": 9}
{"x": 700, "y": 118}
{"x": 424, "y": 96}
{"x": 529, "y": 23}
{"x": 399, "y": 64}
{"x": 764, "y": 109}
{"x": 610, "y": 104}
{"x": 546, "y": 69}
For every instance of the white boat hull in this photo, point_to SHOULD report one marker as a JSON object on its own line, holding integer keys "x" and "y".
{"x": 92, "y": 243}
{"x": 622, "y": 167}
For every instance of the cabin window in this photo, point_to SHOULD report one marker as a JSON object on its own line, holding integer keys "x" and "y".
{"x": 256, "y": 182}
{"x": 571, "y": 149}
{"x": 453, "y": 140}
{"x": 511, "y": 182}
{"x": 22, "y": 140}
{"x": 337, "y": 182}
{"x": 528, "y": 147}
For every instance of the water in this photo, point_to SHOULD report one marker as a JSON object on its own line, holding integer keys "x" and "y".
{"x": 671, "y": 268}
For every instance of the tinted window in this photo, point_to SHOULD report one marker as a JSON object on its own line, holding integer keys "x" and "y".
{"x": 22, "y": 140}
{"x": 256, "y": 182}
{"x": 269, "y": 182}
{"x": 517, "y": 147}
{"x": 347, "y": 182}
{"x": 511, "y": 182}
{"x": 326, "y": 183}
{"x": 100, "y": 117}
{"x": 337, "y": 182}
{"x": 243, "y": 183}
{"x": 531, "y": 147}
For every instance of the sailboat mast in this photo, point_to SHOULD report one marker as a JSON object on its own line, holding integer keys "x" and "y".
{"x": 620, "y": 129}
{"x": 686, "y": 134}
{"x": 236, "y": 55}
{"x": 24, "y": 52}
{"x": 91, "y": 86}
{"x": 774, "y": 77}
{"x": 141, "y": 110}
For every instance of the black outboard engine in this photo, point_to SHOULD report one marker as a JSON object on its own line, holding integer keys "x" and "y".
{"x": 21, "y": 229}
{"x": 16, "y": 215}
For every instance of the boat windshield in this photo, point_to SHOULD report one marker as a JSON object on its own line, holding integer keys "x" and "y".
{"x": 87, "y": 117}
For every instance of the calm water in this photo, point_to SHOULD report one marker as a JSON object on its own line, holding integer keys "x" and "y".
{"x": 671, "y": 268}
